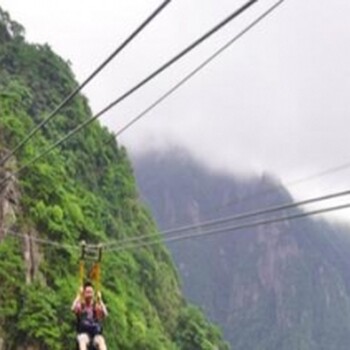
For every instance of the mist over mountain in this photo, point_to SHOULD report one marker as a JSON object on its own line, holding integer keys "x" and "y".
{"x": 284, "y": 286}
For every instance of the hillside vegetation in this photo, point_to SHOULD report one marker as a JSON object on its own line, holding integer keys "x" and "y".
{"x": 83, "y": 191}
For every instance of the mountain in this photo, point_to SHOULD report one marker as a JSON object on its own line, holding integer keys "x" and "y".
{"x": 83, "y": 190}
{"x": 284, "y": 286}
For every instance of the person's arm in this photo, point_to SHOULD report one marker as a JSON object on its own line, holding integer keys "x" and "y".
{"x": 101, "y": 308}
{"x": 76, "y": 306}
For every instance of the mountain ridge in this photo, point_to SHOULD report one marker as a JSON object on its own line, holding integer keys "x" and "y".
{"x": 282, "y": 286}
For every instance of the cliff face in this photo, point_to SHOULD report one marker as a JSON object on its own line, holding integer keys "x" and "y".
{"x": 279, "y": 287}
{"x": 10, "y": 212}
{"x": 9, "y": 202}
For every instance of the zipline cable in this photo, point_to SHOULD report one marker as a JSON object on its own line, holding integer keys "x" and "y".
{"x": 247, "y": 215}
{"x": 251, "y": 214}
{"x": 198, "y": 69}
{"x": 138, "y": 86}
{"x": 288, "y": 184}
{"x": 230, "y": 229}
{"x": 42, "y": 241}
{"x": 70, "y": 97}
{"x": 160, "y": 240}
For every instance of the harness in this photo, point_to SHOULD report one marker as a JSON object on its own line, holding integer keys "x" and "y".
{"x": 88, "y": 325}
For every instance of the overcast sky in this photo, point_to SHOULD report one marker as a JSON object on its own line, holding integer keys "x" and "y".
{"x": 277, "y": 101}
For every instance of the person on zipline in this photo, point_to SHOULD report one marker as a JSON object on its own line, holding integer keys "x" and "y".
{"x": 90, "y": 314}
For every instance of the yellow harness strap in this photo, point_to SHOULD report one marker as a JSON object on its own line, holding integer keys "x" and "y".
{"x": 95, "y": 272}
{"x": 95, "y": 276}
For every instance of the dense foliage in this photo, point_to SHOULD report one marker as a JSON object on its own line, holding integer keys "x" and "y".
{"x": 83, "y": 191}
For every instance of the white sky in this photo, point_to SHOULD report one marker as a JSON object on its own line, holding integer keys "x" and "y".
{"x": 277, "y": 101}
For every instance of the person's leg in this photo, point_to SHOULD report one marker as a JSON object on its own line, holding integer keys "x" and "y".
{"x": 100, "y": 342}
{"x": 83, "y": 341}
